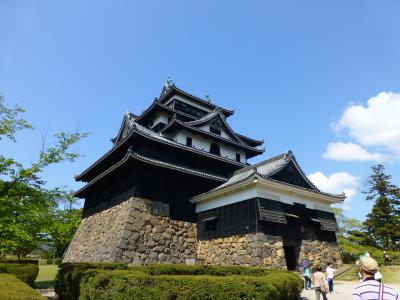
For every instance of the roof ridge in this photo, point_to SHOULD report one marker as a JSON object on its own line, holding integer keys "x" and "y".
{"x": 231, "y": 111}
{"x": 261, "y": 163}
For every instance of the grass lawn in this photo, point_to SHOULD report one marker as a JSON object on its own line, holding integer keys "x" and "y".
{"x": 14, "y": 289}
{"x": 46, "y": 277}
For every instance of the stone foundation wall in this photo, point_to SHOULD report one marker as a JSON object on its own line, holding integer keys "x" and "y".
{"x": 263, "y": 251}
{"x": 245, "y": 250}
{"x": 137, "y": 232}
{"x": 320, "y": 252}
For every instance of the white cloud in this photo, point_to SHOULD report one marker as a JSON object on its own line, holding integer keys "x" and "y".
{"x": 349, "y": 151}
{"x": 375, "y": 125}
{"x": 336, "y": 183}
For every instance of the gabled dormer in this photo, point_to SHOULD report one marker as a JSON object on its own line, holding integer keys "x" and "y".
{"x": 216, "y": 124}
{"x": 125, "y": 128}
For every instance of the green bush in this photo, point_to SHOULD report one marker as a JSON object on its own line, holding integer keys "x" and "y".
{"x": 350, "y": 252}
{"x": 11, "y": 288}
{"x": 49, "y": 261}
{"x": 27, "y": 272}
{"x": 177, "y": 269}
{"x": 58, "y": 261}
{"x": 135, "y": 285}
{"x": 21, "y": 261}
{"x": 69, "y": 276}
{"x": 174, "y": 282}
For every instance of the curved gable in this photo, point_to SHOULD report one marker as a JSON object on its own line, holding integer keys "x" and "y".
{"x": 291, "y": 174}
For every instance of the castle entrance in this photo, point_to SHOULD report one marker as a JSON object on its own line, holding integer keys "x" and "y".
{"x": 291, "y": 248}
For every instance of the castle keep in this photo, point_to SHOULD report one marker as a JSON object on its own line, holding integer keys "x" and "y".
{"x": 176, "y": 187}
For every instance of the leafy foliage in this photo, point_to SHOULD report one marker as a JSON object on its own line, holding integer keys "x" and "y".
{"x": 27, "y": 271}
{"x": 26, "y": 206}
{"x": 90, "y": 281}
{"x": 383, "y": 222}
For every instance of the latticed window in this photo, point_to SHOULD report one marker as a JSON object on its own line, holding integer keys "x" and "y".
{"x": 271, "y": 211}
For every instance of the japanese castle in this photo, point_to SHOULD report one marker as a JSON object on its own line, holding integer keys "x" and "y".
{"x": 176, "y": 186}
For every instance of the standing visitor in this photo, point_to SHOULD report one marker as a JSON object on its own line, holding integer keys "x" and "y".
{"x": 329, "y": 275}
{"x": 370, "y": 288}
{"x": 319, "y": 282}
{"x": 385, "y": 258}
{"x": 307, "y": 278}
{"x": 359, "y": 275}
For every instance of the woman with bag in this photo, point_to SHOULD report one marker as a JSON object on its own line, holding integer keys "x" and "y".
{"x": 319, "y": 282}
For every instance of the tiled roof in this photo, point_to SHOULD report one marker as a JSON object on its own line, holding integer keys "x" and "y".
{"x": 157, "y": 136}
{"x": 266, "y": 169}
{"x": 161, "y": 105}
{"x": 205, "y": 118}
{"x": 213, "y": 135}
{"x": 135, "y": 156}
{"x": 175, "y": 89}
{"x": 137, "y": 128}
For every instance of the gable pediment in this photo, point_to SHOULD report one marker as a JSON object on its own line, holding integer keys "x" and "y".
{"x": 215, "y": 122}
{"x": 124, "y": 130}
{"x": 292, "y": 174}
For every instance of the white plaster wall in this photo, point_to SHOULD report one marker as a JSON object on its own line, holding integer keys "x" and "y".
{"x": 256, "y": 190}
{"x": 201, "y": 143}
{"x": 188, "y": 102}
{"x": 223, "y": 132}
{"x": 161, "y": 117}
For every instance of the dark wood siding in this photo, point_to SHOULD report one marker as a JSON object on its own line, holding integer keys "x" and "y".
{"x": 243, "y": 217}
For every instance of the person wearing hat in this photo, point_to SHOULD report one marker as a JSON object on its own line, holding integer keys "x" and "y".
{"x": 369, "y": 288}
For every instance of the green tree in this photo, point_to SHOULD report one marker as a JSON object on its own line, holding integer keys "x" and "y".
{"x": 65, "y": 220}
{"x": 346, "y": 224}
{"x": 25, "y": 203}
{"x": 383, "y": 222}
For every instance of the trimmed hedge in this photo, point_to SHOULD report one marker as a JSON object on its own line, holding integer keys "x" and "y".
{"x": 12, "y": 288}
{"x": 135, "y": 285}
{"x": 177, "y": 269}
{"x": 116, "y": 281}
{"x": 25, "y": 271}
{"x": 69, "y": 277}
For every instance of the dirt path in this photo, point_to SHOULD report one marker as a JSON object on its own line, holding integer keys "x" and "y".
{"x": 343, "y": 291}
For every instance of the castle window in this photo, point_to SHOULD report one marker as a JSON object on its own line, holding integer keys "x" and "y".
{"x": 215, "y": 130}
{"x": 237, "y": 157}
{"x": 210, "y": 224}
{"x": 214, "y": 149}
{"x": 189, "y": 141}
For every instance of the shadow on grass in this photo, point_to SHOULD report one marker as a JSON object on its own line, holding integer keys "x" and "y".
{"x": 44, "y": 284}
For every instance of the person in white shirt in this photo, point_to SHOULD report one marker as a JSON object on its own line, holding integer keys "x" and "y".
{"x": 329, "y": 276}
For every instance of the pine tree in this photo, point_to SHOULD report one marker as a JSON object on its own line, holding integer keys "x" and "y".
{"x": 383, "y": 222}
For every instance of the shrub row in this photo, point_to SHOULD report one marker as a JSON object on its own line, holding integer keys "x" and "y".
{"x": 27, "y": 272}
{"x": 104, "y": 285}
{"x": 12, "y": 288}
{"x": 178, "y": 269}
{"x": 116, "y": 281}
{"x": 69, "y": 277}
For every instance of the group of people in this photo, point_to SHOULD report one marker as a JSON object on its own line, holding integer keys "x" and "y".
{"x": 369, "y": 287}
{"x": 322, "y": 282}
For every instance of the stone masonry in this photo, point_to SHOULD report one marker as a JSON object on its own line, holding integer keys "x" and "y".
{"x": 139, "y": 231}
{"x": 263, "y": 251}
{"x": 136, "y": 231}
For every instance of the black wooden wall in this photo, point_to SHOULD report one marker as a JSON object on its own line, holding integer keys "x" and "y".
{"x": 243, "y": 217}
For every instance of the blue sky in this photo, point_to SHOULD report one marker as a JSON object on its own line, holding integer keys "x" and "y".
{"x": 299, "y": 75}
